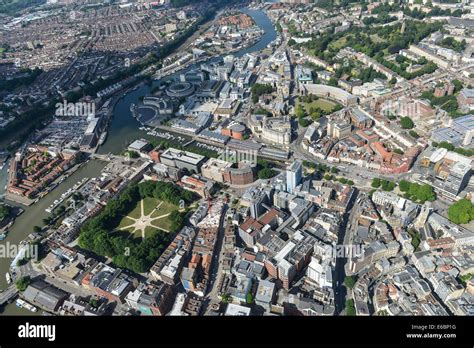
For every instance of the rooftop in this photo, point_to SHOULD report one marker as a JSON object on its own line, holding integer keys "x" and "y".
{"x": 185, "y": 156}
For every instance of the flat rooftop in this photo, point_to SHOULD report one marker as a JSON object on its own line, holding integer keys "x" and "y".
{"x": 184, "y": 156}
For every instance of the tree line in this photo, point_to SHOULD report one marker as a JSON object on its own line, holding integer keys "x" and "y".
{"x": 5, "y": 212}
{"x": 259, "y": 89}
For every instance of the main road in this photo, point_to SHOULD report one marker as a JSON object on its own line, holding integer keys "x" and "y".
{"x": 216, "y": 269}
{"x": 344, "y": 242}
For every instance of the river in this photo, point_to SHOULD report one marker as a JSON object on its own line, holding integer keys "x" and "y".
{"x": 122, "y": 130}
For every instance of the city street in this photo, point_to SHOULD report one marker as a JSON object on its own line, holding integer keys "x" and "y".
{"x": 345, "y": 239}
{"x": 216, "y": 274}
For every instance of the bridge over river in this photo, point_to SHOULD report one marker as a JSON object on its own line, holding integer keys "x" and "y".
{"x": 8, "y": 294}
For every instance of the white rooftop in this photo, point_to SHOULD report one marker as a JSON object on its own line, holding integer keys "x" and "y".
{"x": 237, "y": 310}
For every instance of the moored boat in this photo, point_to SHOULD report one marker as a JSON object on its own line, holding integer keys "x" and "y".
{"x": 8, "y": 278}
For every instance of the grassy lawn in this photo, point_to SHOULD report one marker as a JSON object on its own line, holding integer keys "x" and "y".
{"x": 323, "y": 104}
{"x": 163, "y": 224}
{"x": 150, "y": 231}
{"x": 136, "y": 234}
{"x": 165, "y": 208}
{"x": 149, "y": 204}
{"x": 338, "y": 44}
{"x": 136, "y": 212}
{"x": 267, "y": 51}
{"x": 375, "y": 38}
{"x": 125, "y": 222}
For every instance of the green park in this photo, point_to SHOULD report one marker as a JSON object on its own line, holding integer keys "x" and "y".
{"x": 136, "y": 226}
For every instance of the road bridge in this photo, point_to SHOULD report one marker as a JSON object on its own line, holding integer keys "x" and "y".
{"x": 8, "y": 294}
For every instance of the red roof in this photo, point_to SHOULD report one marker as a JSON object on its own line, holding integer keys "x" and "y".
{"x": 252, "y": 224}
{"x": 269, "y": 216}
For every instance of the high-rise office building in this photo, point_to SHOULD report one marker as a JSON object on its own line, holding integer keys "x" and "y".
{"x": 293, "y": 176}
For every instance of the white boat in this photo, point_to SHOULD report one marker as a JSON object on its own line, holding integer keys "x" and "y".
{"x": 102, "y": 138}
{"x": 30, "y": 307}
{"x": 9, "y": 278}
{"x": 23, "y": 304}
{"x": 66, "y": 194}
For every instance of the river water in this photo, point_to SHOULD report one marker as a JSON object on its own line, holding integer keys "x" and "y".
{"x": 122, "y": 130}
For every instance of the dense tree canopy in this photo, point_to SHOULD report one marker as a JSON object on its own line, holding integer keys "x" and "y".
{"x": 23, "y": 283}
{"x": 369, "y": 74}
{"x": 417, "y": 192}
{"x": 5, "y": 211}
{"x": 407, "y": 123}
{"x": 461, "y": 212}
{"x": 451, "y": 147}
{"x": 259, "y": 89}
{"x": 265, "y": 170}
{"x": 350, "y": 281}
{"x": 377, "y": 42}
{"x": 452, "y": 43}
{"x": 385, "y": 185}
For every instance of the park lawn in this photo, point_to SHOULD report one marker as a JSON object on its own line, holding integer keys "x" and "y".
{"x": 267, "y": 51}
{"x": 339, "y": 43}
{"x": 137, "y": 234}
{"x": 376, "y": 39}
{"x": 126, "y": 222}
{"x": 165, "y": 208}
{"x": 163, "y": 224}
{"x": 150, "y": 231}
{"x": 149, "y": 204}
{"x": 136, "y": 212}
{"x": 444, "y": 104}
{"x": 323, "y": 104}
